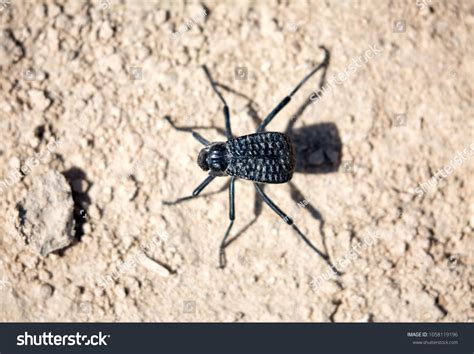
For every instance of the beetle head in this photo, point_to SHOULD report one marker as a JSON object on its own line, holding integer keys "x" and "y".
{"x": 202, "y": 159}
{"x": 214, "y": 158}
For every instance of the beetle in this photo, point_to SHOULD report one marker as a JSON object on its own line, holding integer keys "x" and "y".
{"x": 262, "y": 158}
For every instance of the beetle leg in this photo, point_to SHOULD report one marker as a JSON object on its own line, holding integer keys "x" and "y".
{"x": 287, "y": 99}
{"x": 196, "y": 136}
{"x": 290, "y": 222}
{"x": 228, "y": 129}
{"x": 196, "y": 192}
{"x": 222, "y": 259}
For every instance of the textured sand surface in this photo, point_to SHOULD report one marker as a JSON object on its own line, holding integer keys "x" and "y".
{"x": 97, "y": 80}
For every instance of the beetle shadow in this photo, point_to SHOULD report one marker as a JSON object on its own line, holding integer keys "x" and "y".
{"x": 318, "y": 148}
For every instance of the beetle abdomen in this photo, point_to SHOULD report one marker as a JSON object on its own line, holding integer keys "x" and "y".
{"x": 267, "y": 157}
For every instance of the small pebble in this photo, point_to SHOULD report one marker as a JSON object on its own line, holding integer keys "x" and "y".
{"x": 46, "y": 291}
{"x": 106, "y": 31}
{"x": 160, "y": 17}
{"x": 120, "y": 292}
{"x": 39, "y": 100}
{"x": 155, "y": 267}
{"x": 14, "y": 162}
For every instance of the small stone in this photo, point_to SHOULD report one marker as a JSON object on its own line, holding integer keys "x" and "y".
{"x": 39, "y": 10}
{"x": 44, "y": 275}
{"x": 46, "y": 291}
{"x": 40, "y": 75}
{"x": 121, "y": 292}
{"x": 114, "y": 63}
{"x": 45, "y": 216}
{"x": 160, "y": 17}
{"x": 87, "y": 229}
{"x": 107, "y": 194}
{"x": 155, "y": 267}
{"x": 73, "y": 8}
{"x": 53, "y": 10}
{"x": 106, "y": 31}
{"x": 14, "y": 162}
{"x": 39, "y": 100}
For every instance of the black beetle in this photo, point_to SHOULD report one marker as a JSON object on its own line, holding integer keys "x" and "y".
{"x": 263, "y": 157}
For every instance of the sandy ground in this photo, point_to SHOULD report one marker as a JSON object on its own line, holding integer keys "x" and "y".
{"x": 86, "y": 87}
